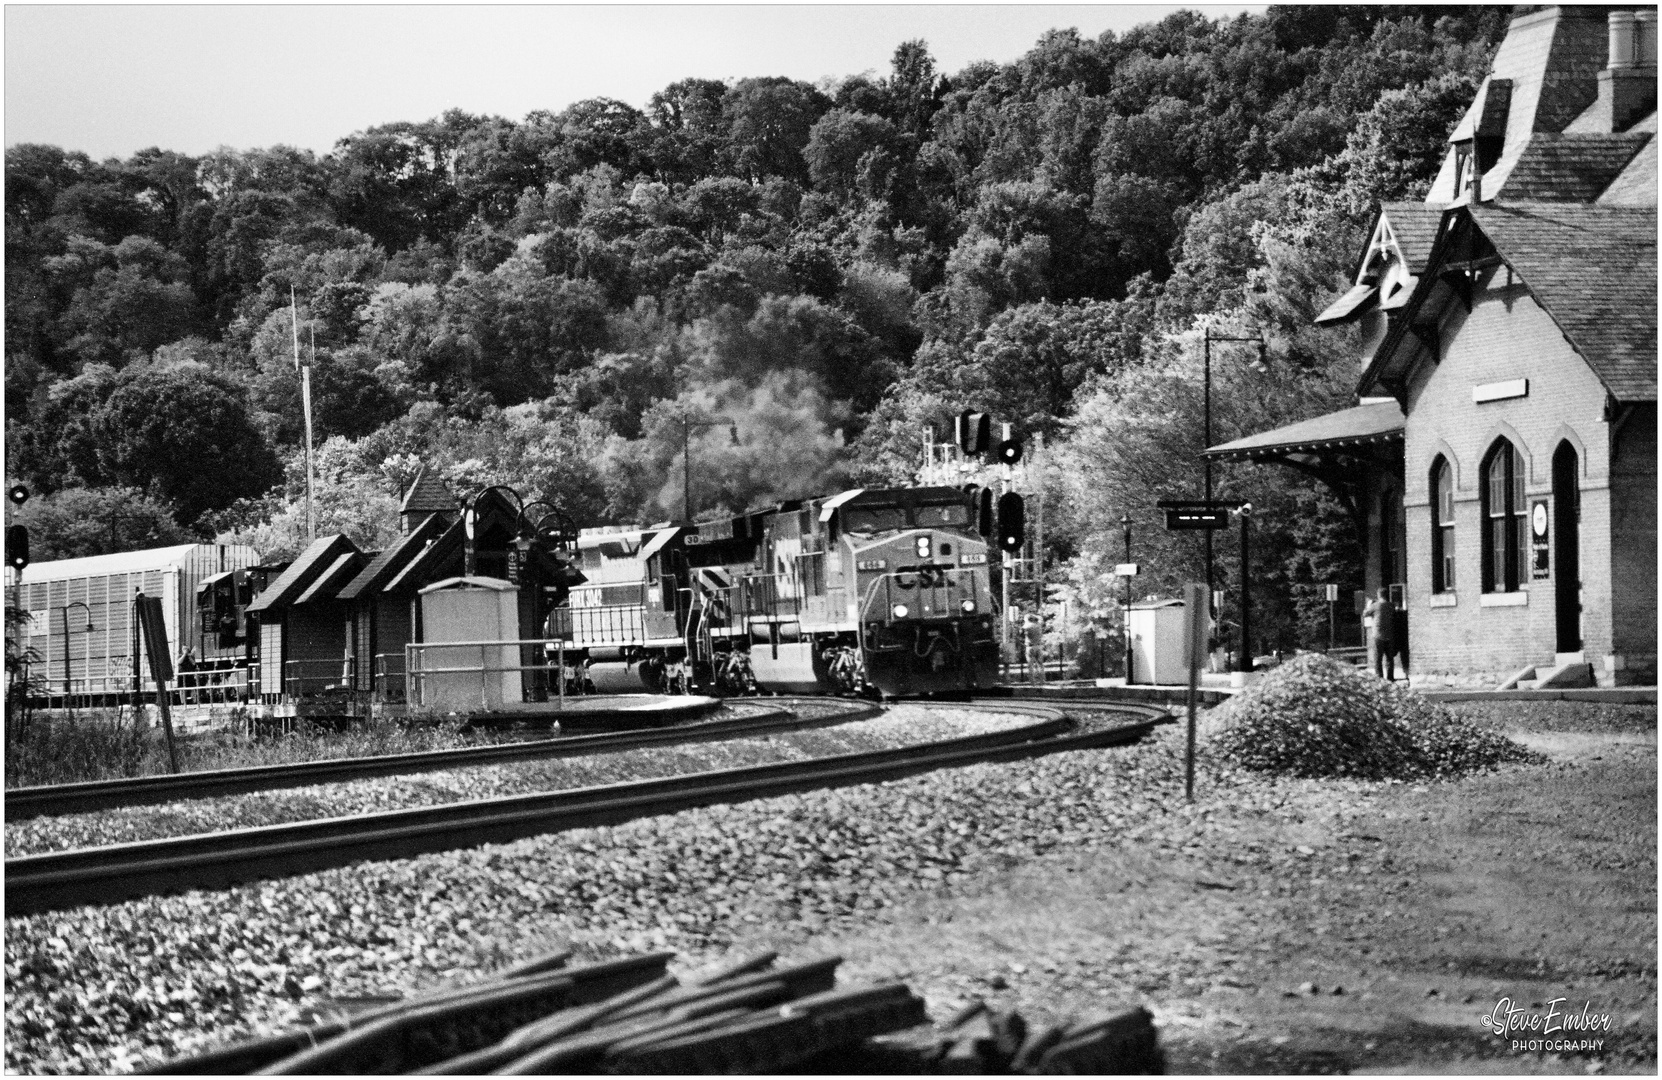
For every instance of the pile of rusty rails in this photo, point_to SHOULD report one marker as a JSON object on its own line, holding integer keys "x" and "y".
{"x": 104, "y": 875}
{"x": 630, "y": 1016}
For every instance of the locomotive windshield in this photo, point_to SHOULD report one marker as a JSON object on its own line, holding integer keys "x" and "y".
{"x": 951, "y": 514}
{"x": 867, "y": 519}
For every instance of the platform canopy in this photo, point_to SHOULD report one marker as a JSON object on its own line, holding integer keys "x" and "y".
{"x": 1346, "y": 450}
{"x": 1355, "y": 430}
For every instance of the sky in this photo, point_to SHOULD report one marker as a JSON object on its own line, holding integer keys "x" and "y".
{"x": 109, "y": 80}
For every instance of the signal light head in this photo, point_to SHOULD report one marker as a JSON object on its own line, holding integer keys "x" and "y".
{"x": 1008, "y": 452}
{"x": 18, "y": 494}
{"x": 17, "y": 547}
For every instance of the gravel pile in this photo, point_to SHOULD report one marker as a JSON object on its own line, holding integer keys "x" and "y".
{"x": 899, "y": 726}
{"x": 111, "y": 989}
{"x": 1314, "y": 717}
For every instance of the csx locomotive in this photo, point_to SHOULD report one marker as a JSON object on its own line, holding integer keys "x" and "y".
{"x": 869, "y": 591}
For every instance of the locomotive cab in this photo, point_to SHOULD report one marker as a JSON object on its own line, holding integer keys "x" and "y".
{"x": 921, "y": 595}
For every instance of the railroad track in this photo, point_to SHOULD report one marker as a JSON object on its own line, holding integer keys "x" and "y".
{"x": 104, "y": 875}
{"x": 58, "y": 799}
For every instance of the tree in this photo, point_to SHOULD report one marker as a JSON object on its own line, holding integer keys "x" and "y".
{"x": 768, "y": 125}
{"x": 77, "y": 522}
{"x": 349, "y": 496}
{"x": 58, "y": 446}
{"x": 836, "y": 144}
{"x": 914, "y": 88}
{"x": 184, "y": 435}
{"x": 131, "y": 308}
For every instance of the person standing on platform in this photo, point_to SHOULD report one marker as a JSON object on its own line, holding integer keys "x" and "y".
{"x": 1379, "y": 617}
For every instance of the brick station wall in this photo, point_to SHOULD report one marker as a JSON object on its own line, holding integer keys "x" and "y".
{"x": 1633, "y": 549}
{"x": 1507, "y": 335}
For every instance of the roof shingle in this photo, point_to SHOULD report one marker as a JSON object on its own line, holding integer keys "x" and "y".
{"x": 427, "y": 495}
{"x": 1569, "y": 167}
{"x": 1593, "y": 268}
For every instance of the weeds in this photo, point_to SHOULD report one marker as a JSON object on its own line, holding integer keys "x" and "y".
{"x": 109, "y": 744}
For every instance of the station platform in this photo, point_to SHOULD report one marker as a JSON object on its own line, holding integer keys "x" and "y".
{"x": 590, "y": 712}
{"x": 1216, "y": 689}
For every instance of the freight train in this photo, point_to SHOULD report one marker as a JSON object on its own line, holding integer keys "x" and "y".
{"x": 75, "y": 620}
{"x": 884, "y": 591}
{"x": 870, "y": 591}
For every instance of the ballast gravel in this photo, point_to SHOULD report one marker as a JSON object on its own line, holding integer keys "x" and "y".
{"x": 1316, "y": 717}
{"x": 898, "y": 726}
{"x": 117, "y": 988}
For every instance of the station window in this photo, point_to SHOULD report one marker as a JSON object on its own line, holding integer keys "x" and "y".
{"x": 1442, "y": 526}
{"x": 1505, "y": 520}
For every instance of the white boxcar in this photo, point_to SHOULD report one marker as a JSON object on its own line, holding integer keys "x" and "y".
{"x": 98, "y": 590}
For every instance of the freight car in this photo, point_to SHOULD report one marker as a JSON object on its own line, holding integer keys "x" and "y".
{"x": 885, "y": 591}
{"x": 79, "y": 620}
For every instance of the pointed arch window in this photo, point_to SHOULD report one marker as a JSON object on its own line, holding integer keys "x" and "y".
{"x": 1505, "y": 520}
{"x": 1442, "y": 526}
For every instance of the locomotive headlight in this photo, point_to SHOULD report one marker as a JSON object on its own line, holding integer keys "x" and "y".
{"x": 968, "y": 606}
{"x": 923, "y": 547}
{"x": 901, "y": 611}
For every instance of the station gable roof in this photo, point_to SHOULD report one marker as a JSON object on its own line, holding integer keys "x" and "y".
{"x": 1594, "y": 270}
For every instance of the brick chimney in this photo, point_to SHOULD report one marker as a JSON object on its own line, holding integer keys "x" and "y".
{"x": 1627, "y": 85}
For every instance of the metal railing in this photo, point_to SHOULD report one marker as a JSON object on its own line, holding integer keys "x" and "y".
{"x": 200, "y": 686}
{"x": 304, "y": 678}
{"x": 599, "y": 626}
{"x": 449, "y": 682}
{"x": 387, "y": 680}
{"x": 762, "y": 596}
{"x": 205, "y": 685}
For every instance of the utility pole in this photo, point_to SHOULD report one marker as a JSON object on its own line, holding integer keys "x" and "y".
{"x": 1125, "y": 523}
{"x": 1009, "y": 564}
{"x": 687, "y": 425}
{"x": 305, "y": 370}
{"x": 1246, "y": 588}
{"x": 1207, "y": 429}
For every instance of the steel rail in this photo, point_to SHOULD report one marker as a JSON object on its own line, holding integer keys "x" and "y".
{"x": 104, "y": 875}
{"x": 57, "y": 799}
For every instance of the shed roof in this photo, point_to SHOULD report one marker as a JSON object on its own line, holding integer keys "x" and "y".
{"x": 1593, "y": 268}
{"x": 385, "y": 565}
{"x": 320, "y": 555}
{"x": 324, "y": 588}
{"x": 1360, "y": 425}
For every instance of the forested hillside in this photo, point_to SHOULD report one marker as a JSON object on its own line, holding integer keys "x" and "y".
{"x": 819, "y": 270}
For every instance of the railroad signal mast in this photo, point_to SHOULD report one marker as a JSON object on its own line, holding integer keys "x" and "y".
{"x": 1003, "y": 518}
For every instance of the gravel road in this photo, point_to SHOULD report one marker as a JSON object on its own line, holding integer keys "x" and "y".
{"x": 1055, "y": 885}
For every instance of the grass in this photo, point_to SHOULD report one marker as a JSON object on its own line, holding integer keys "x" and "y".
{"x": 109, "y": 744}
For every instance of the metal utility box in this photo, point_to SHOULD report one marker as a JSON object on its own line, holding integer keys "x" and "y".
{"x": 1157, "y": 646}
{"x": 476, "y": 673}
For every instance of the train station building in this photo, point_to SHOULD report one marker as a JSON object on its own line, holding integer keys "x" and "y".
{"x": 1503, "y": 450}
